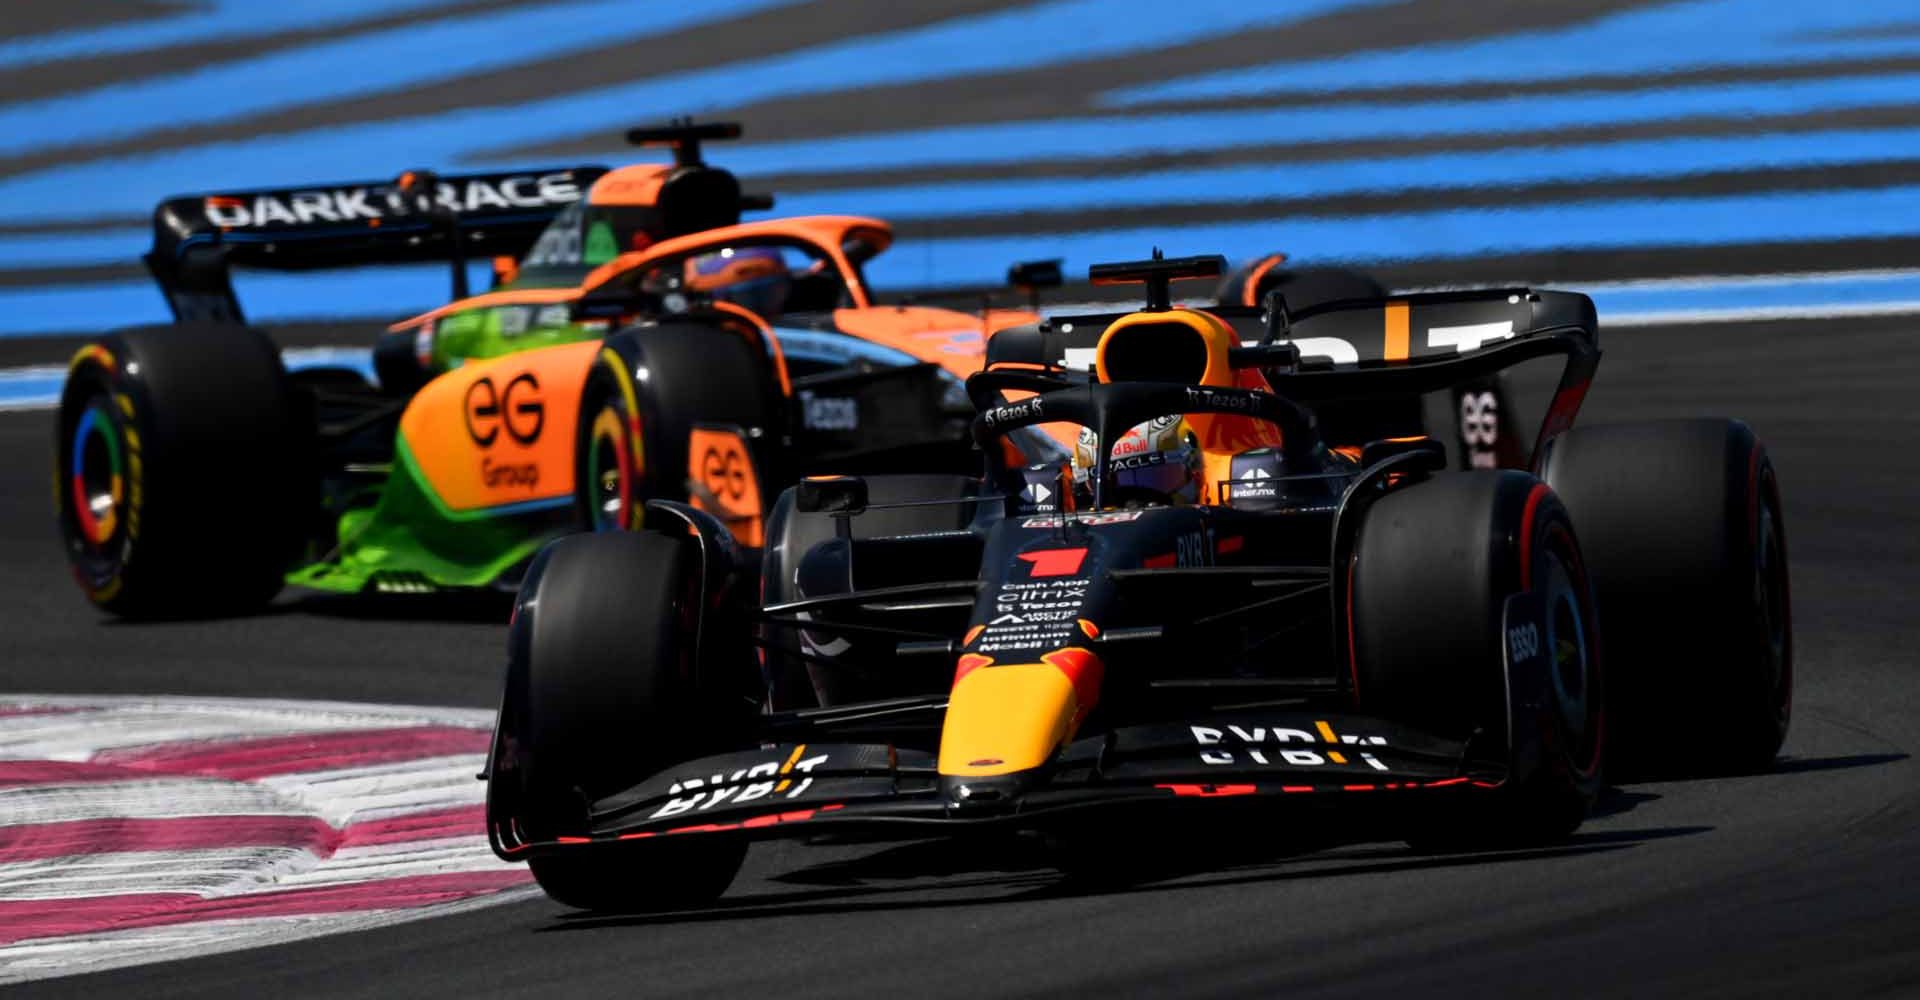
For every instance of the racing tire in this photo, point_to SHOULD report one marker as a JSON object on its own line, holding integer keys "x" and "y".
{"x": 183, "y": 471}
{"x": 791, "y": 533}
{"x": 1432, "y": 569}
{"x": 1311, "y": 287}
{"x": 612, "y": 693}
{"x": 633, "y": 435}
{"x": 1304, "y": 287}
{"x": 1685, "y": 538}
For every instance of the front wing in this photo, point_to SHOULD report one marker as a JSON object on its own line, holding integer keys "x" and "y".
{"x": 871, "y": 789}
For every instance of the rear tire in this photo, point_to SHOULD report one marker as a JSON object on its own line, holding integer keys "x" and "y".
{"x": 184, "y": 471}
{"x": 1433, "y": 567}
{"x": 612, "y": 694}
{"x": 1304, "y": 287}
{"x": 1684, "y": 534}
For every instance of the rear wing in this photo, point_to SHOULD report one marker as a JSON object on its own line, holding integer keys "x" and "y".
{"x": 1425, "y": 342}
{"x": 1456, "y": 341}
{"x": 1338, "y": 336}
{"x": 419, "y": 217}
{"x": 1361, "y": 349}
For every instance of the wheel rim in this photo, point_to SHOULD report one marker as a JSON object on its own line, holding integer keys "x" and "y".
{"x": 96, "y": 475}
{"x": 1569, "y": 646}
{"x": 610, "y": 472}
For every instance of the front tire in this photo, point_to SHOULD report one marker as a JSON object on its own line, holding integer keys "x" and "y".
{"x": 1433, "y": 568}
{"x": 612, "y": 691}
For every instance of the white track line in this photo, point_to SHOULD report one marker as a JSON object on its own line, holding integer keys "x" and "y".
{"x": 213, "y": 889}
{"x": 147, "y": 798}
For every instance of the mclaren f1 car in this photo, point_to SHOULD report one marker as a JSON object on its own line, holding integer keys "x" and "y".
{"x": 1206, "y": 608}
{"x": 648, "y": 344}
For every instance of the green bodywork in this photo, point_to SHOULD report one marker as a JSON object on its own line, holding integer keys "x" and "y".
{"x": 478, "y": 334}
{"x": 409, "y": 540}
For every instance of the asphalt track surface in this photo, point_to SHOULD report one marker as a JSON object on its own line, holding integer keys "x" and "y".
{"x": 1801, "y": 880}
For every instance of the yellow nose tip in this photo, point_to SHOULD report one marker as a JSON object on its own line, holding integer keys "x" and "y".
{"x": 1006, "y": 719}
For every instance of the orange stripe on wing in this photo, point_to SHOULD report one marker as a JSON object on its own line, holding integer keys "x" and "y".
{"x": 1399, "y": 318}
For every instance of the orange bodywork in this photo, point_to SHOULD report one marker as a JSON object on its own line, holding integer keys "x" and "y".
{"x": 635, "y": 184}
{"x": 952, "y": 340}
{"x": 1249, "y": 292}
{"x": 773, "y": 343}
{"x": 827, "y": 233}
{"x": 498, "y": 432}
{"x": 720, "y": 464}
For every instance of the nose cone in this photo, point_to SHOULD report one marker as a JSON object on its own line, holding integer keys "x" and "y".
{"x": 1006, "y": 719}
{"x": 1004, "y": 724}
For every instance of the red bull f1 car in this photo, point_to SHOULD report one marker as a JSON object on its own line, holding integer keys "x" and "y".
{"x": 1207, "y": 609}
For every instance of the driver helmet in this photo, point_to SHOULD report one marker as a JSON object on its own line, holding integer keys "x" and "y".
{"x": 1154, "y": 462}
{"x": 754, "y": 278}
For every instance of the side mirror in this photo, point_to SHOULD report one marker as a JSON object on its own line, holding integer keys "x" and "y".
{"x": 1030, "y": 276}
{"x": 1279, "y": 318}
{"x": 613, "y": 301}
{"x": 831, "y": 495}
{"x": 859, "y": 250}
{"x": 1284, "y": 356}
{"x": 1385, "y": 448}
{"x": 505, "y": 269}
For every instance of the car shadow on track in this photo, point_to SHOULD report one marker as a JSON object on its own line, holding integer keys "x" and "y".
{"x": 1796, "y": 765}
{"x": 1615, "y": 800}
{"x": 1784, "y": 765}
{"x": 477, "y": 608}
{"x": 1023, "y": 872}
{"x": 455, "y": 608}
